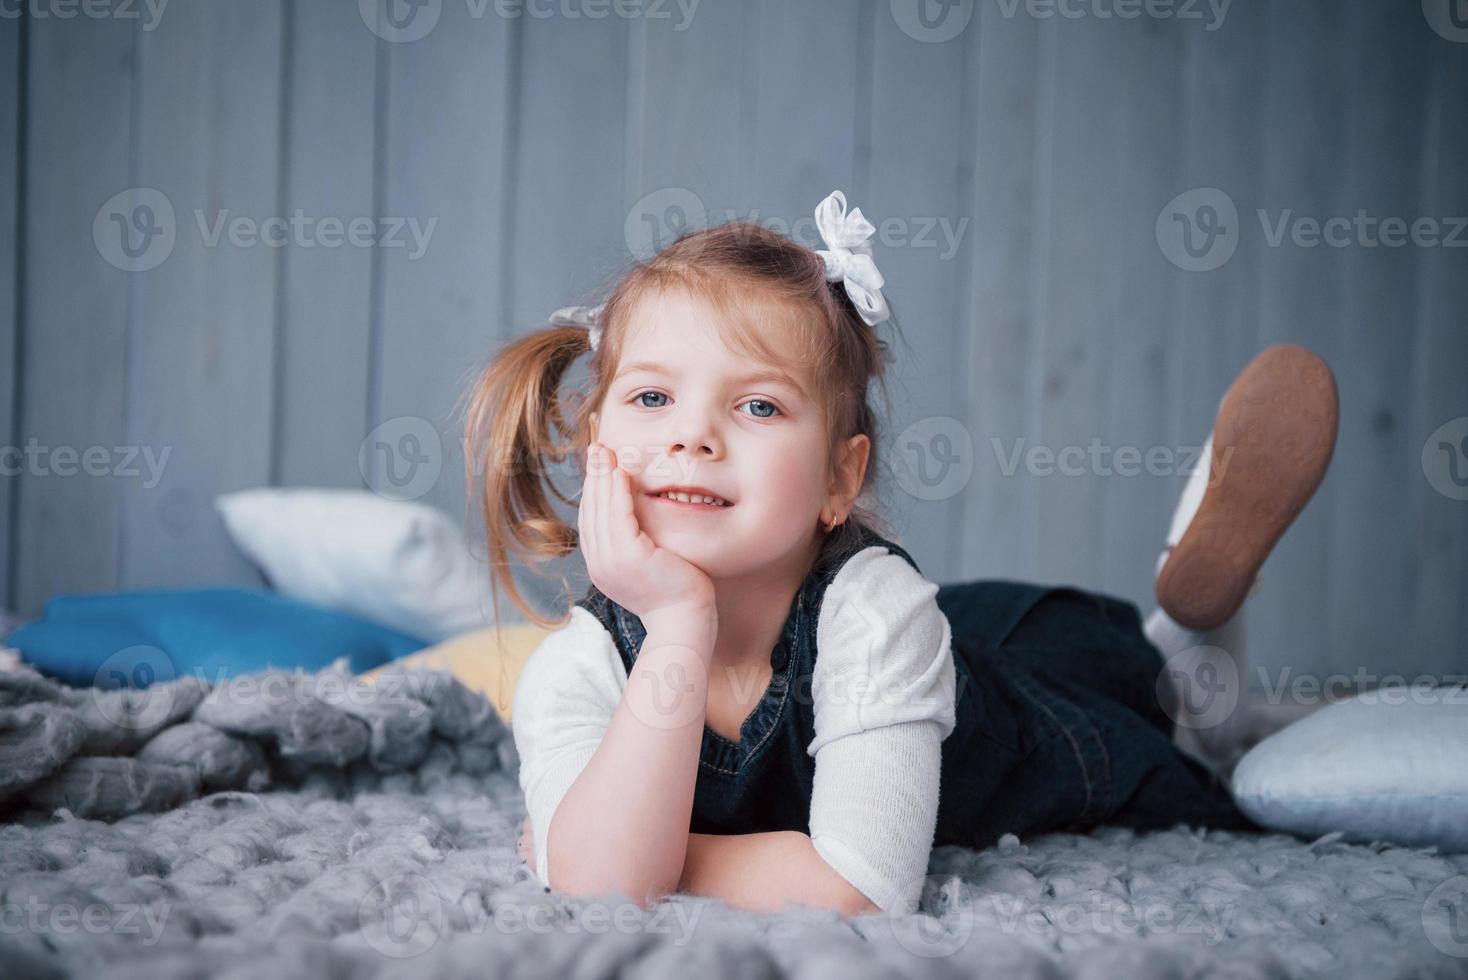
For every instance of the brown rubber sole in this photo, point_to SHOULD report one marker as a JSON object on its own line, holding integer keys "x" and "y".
{"x": 1272, "y": 442}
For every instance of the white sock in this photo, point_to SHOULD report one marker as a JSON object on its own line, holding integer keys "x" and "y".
{"x": 1208, "y": 670}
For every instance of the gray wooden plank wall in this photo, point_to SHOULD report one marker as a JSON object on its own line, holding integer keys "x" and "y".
{"x": 1024, "y": 161}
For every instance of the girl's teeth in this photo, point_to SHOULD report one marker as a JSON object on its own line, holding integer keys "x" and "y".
{"x": 693, "y": 498}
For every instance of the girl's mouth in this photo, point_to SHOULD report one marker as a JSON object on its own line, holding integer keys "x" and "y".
{"x": 691, "y": 502}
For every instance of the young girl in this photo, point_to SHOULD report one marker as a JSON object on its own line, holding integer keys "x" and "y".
{"x": 760, "y": 697}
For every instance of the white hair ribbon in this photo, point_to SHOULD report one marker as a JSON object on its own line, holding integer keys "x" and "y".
{"x": 849, "y": 256}
{"x": 586, "y": 317}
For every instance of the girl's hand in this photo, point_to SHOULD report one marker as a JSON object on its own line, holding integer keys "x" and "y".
{"x": 623, "y": 562}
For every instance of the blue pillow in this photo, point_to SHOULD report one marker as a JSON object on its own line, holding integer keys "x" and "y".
{"x": 1386, "y": 764}
{"x": 133, "y": 639}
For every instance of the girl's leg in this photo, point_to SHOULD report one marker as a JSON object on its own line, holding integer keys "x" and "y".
{"x": 1271, "y": 442}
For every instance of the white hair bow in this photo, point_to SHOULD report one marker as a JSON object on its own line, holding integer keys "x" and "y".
{"x": 849, "y": 256}
{"x": 586, "y": 317}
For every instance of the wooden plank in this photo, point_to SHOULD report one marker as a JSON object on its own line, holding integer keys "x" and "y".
{"x": 1376, "y": 468}
{"x": 1139, "y": 452}
{"x": 449, "y": 147}
{"x": 809, "y": 145}
{"x": 326, "y": 292}
{"x": 1436, "y": 637}
{"x": 74, "y": 351}
{"x": 1303, "y": 299}
{"x": 202, "y": 330}
{"x": 691, "y": 137}
{"x": 920, "y": 199}
{"x": 1217, "y": 309}
{"x": 1003, "y": 144}
{"x": 1072, "y": 330}
{"x": 10, "y": 150}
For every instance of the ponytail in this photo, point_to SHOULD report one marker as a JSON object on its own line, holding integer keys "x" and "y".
{"x": 514, "y": 425}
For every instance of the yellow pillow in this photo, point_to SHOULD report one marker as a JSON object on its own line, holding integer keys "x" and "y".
{"x": 487, "y": 660}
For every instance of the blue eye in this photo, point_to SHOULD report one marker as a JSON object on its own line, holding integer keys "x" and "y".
{"x": 773, "y": 410}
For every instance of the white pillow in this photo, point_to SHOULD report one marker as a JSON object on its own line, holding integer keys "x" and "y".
{"x": 401, "y": 563}
{"x": 1389, "y": 764}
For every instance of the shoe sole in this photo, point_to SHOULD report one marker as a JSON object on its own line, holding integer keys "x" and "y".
{"x": 1272, "y": 441}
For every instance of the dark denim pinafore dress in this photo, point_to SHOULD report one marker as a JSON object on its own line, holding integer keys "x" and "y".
{"x": 1058, "y": 727}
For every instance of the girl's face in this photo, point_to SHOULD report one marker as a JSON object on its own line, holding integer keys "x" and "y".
{"x": 684, "y": 410}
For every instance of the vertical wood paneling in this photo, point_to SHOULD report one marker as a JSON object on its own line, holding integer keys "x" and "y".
{"x": 808, "y": 61}
{"x": 568, "y": 215}
{"x": 693, "y": 136}
{"x": 1433, "y": 628}
{"x": 448, "y": 150}
{"x": 1382, "y": 170}
{"x": 11, "y": 95}
{"x": 202, "y": 332}
{"x": 72, "y": 375}
{"x": 1150, "y": 110}
{"x": 567, "y": 212}
{"x": 326, "y": 292}
{"x": 1073, "y": 331}
{"x": 1003, "y": 92}
{"x": 1217, "y": 313}
{"x": 521, "y": 146}
{"x": 916, "y": 189}
{"x": 1303, "y": 299}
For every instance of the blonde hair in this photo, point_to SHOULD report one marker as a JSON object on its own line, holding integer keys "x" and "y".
{"x": 754, "y": 277}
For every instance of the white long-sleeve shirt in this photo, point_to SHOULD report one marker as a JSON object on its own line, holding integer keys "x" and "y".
{"x": 883, "y": 693}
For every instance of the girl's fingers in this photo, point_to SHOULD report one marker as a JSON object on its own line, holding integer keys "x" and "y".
{"x": 587, "y": 510}
{"x": 622, "y": 522}
{"x": 604, "y": 502}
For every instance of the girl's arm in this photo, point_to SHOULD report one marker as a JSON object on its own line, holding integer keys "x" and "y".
{"x": 623, "y": 824}
{"x": 765, "y": 872}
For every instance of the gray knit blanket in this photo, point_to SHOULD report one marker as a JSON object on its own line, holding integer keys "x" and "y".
{"x": 287, "y": 825}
